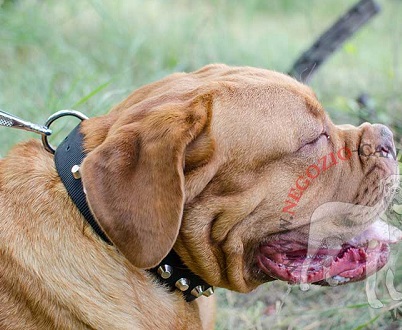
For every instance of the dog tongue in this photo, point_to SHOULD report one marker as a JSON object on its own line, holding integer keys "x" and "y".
{"x": 380, "y": 231}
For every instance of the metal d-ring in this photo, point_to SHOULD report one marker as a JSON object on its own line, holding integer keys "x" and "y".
{"x": 54, "y": 117}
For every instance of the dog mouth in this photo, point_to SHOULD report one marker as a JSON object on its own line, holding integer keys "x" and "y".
{"x": 296, "y": 262}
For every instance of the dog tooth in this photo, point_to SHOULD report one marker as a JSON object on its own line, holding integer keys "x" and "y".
{"x": 332, "y": 281}
{"x": 340, "y": 279}
{"x": 304, "y": 286}
{"x": 373, "y": 244}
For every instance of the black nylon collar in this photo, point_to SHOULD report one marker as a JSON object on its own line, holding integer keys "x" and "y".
{"x": 68, "y": 154}
{"x": 171, "y": 271}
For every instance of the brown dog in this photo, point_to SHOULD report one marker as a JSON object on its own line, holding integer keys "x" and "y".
{"x": 227, "y": 166}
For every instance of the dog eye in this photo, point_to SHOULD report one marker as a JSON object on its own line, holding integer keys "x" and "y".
{"x": 319, "y": 140}
{"x": 322, "y": 135}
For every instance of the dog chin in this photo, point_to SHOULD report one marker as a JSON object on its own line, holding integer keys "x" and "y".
{"x": 288, "y": 259}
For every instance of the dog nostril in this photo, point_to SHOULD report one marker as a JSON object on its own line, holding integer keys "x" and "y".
{"x": 385, "y": 149}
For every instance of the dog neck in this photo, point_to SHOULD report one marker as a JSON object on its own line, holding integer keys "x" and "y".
{"x": 171, "y": 271}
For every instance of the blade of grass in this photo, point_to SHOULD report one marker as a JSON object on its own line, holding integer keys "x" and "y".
{"x": 364, "y": 325}
{"x": 358, "y": 306}
{"x": 91, "y": 94}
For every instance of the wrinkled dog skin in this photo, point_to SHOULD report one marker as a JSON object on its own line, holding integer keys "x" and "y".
{"x": 225, "y": 165}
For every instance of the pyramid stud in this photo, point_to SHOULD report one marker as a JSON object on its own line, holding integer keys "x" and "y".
{"x": 165, "y": 271}
{"x": 197, "y": 291}
{"x": 182, "y": 284}
{"x": 209, "y": 292}
{"x": 75, "y": 170}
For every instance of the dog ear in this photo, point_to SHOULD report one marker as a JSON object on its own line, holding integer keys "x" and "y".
{"x": 134, "y": 180}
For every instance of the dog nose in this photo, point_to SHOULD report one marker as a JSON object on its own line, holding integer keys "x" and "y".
{"x": 377, "y": 140}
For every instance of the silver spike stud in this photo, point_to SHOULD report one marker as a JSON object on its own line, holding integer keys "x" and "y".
{"x": 197, "y": 291}
{"x": 182, "y": 284}
{"x": 165, "y": 271}
{"x": 209, "y": 292}
{"x": 75, "y": 170}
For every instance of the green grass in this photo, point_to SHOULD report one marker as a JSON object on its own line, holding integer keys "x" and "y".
{"x": 89, "y": 55}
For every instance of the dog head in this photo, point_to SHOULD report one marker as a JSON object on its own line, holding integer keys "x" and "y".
{"x": 244, "y": 174}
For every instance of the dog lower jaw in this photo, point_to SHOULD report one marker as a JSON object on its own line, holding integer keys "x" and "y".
{"x": 296, "y": 262}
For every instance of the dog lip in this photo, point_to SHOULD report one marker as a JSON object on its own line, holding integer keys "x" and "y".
{"x": 296, "y": 262}
{"x": 380, "y": 231}
{"x": 352, "y": 263}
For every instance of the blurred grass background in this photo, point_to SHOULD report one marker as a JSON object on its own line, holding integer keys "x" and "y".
{"x": 90, "y": 54}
